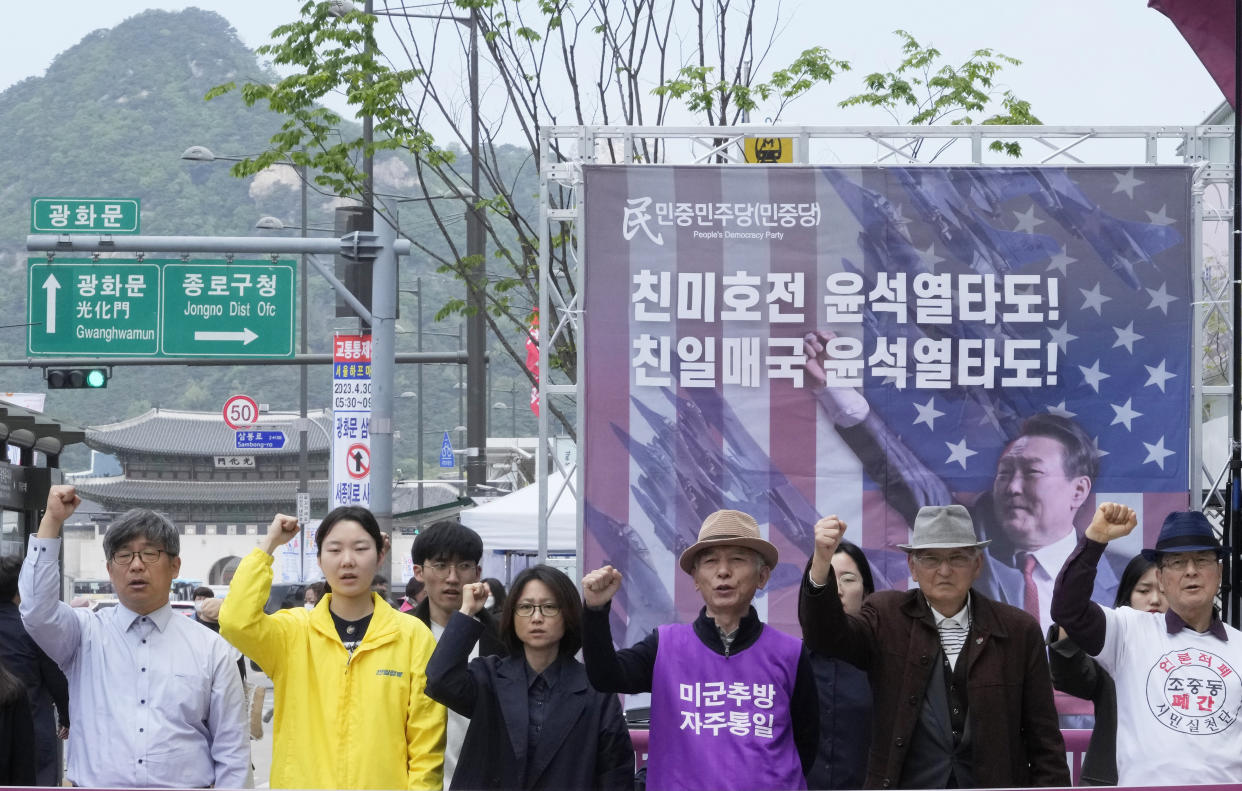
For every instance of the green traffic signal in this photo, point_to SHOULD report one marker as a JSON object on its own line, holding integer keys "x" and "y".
{"x": 77, "y": 378}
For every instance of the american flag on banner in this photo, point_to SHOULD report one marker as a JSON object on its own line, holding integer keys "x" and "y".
{"x": 863, "y": 341}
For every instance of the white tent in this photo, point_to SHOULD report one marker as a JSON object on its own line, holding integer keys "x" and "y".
{"x": 510, "y": 523}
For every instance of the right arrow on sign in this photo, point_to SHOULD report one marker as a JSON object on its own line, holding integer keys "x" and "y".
{"x": 50, "y": 285}
{"x": 245, "y": 336}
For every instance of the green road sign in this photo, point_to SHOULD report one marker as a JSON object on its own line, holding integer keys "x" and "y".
{"x": 219, "y": 309}
{"x": 78, "y": 307}
{"x": 84, "y": 215}
{"x": 160, "y": 308}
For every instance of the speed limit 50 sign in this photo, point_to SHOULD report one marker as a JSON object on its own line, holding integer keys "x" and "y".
{"x": 240, "y": 412}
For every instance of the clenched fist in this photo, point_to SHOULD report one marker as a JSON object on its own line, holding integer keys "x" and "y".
{"x": 62, "y": 501}
{"x": 828, "y": 533}
{"x": 282, "y": 530}
{"x": 600, "y": 586}
{"x": 473, "y": 597}
{"x": 1111, "y": 521}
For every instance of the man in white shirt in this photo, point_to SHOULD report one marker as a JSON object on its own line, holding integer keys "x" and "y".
{"x": 446, "y": 557}
{"x": 1177, "y": 673}
{"x": 157, "y": 699}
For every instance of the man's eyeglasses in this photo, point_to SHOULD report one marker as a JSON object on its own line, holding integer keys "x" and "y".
{"x": 441, "y": 568}
{"x": 1179, "y": 562}
{"x": 124, "y": 557}
{"x": 959, "y": 560}
{"x": 526, "y": 610}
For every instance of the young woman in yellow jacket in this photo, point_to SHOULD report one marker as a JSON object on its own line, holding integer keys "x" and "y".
{"x": 349, "y": 675}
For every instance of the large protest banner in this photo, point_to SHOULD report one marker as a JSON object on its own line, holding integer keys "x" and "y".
{"x": 801, "y": 341}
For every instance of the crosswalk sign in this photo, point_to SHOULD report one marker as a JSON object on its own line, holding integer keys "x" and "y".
{"x": 446, "y": 452}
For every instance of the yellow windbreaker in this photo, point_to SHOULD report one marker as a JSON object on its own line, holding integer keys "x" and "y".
{"x": 341, "y": 721}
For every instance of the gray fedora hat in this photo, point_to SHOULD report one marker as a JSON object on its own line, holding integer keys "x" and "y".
{"x": 943, "y": 527}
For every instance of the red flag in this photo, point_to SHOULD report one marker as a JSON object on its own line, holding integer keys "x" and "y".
{"x": 532, "y": 359}
{"x": 1208, "y": 27}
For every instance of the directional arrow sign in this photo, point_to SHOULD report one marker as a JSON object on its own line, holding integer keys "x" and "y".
{"x": 79, "y": 308}
{"x": 160, "y": 308}
{"x": 217, "y": 309}
{"x": 245, "y": 336}
{"x": 50, "y": 285}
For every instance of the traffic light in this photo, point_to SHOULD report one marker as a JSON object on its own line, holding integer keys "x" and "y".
{"x": 77, "y": 378}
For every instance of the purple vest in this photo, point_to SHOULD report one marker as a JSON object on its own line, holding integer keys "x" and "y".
{"x": 723, "y": 722}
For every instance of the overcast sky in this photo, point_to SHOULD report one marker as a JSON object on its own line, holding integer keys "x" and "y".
{"x": 1084, "y": 61}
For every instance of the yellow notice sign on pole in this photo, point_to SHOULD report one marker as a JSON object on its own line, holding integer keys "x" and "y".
{"x": 769, "y": 150}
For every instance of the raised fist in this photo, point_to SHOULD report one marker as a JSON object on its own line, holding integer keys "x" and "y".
{"x": 282, "y": 530}
{"x": 828, "y": 533}
{"x": 600, "y": 586}
{"x": 1111, "y": 521}
{"x": 473, "y": 597}
{"x": 62, "y": 501}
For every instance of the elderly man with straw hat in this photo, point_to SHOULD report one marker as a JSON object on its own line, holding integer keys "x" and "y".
{"x": 1177, "y": 673}
{"x": 962, "y": 692}
{"x": 733, "y": 702}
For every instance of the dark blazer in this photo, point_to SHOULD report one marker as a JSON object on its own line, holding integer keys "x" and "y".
{"x": 585, "y": 743}
{"x": 46, "y": 687}
{"x": 17, "y": 744}
{"x": 1016, "y": 737}
{"x": 1076, "y": 673}
{"x": 490, "y": 643}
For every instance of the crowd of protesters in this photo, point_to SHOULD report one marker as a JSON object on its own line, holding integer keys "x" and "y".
{"x": 463, "y": 685}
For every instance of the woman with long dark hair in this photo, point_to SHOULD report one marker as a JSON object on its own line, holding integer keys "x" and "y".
{"x": 535, "y": 721}
{"x": 348, "y": 674}
{"x": 17, "y": 742}
{"x": 844, "y": 691}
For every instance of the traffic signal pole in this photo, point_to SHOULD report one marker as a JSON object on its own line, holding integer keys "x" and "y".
{"x": 381, "y": 247}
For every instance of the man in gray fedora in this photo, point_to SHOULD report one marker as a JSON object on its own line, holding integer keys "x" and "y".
{"x": 961, "y": 686}
{"x": 733, "y": 701}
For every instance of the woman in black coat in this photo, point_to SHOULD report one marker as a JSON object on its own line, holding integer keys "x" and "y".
{"x": 535, "y": 722}
{"x": 17, "y": 745}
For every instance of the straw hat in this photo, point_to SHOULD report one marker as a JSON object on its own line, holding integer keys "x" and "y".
{"x": 729, "y": 529}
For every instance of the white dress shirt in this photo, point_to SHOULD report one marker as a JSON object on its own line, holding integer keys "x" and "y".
{"x": 1049, "y": 561}
{"x": 157, "y": 700}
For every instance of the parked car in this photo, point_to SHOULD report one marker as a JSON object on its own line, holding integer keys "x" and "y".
{"x": 285, "y": 595}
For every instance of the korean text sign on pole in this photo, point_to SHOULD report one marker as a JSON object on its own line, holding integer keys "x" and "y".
{"x": 351, "y": 420}
{"x": 864, "y": 341}
{"x": 85, "y": 215}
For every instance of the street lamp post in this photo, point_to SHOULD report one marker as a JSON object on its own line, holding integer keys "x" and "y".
{"x": 204, "y": 154}
{"x": 476, "y": 283}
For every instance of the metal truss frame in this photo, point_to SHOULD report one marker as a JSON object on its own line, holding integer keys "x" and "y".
{"x": 563, "y": 150}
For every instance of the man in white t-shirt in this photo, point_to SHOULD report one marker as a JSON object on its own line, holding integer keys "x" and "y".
{"x": 1179, "y": 673}
{"x": 446, "y": 557}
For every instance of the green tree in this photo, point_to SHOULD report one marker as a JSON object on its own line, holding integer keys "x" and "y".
{"x": 925, "y": 90}
{"x": 551, "y": 62}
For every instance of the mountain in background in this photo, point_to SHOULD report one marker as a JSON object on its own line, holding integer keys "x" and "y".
{"x": 111, "y": 118}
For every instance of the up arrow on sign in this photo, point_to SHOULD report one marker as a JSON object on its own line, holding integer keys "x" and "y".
{"x": 50, "y": 285}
